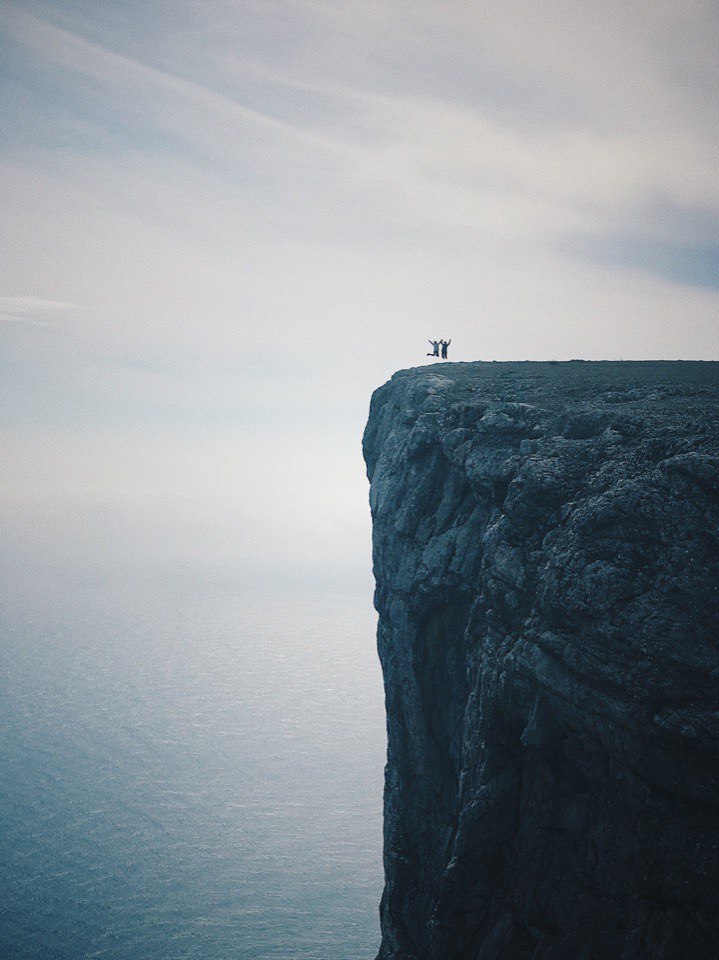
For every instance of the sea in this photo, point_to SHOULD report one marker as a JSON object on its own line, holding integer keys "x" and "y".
{"x": 191, "y": 773}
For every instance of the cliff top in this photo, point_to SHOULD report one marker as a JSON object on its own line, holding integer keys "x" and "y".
{"x": 546, "y": 381}
{"x": 588, "y": 397}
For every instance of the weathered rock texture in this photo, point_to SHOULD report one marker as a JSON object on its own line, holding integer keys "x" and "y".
{"x": 546, "y": 551}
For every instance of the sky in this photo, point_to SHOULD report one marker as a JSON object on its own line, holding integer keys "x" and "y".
{"x": 225, "y": 223}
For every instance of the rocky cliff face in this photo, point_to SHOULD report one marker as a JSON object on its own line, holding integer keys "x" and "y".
{"x": 546, "y": 551}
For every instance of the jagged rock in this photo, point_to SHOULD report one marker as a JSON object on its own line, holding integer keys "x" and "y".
{"x": 546, "y": 553}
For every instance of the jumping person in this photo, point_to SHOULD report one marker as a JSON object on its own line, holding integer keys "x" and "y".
{"x": 445, "y": 345}
{"x": 435, "y": 348}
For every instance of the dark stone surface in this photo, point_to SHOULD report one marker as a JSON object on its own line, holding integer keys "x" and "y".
{"x": 546, "y": 551}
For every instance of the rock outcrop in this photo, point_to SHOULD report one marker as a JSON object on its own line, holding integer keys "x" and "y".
{"x": 546, "y": 553}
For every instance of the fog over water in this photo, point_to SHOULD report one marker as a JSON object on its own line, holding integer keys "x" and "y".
{"x": 191, "y": 714}
{"x": 190, "y": 774}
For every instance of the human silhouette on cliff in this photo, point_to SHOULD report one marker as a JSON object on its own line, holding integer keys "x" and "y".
{"x": 445, "y": 347}
{"x": 435, "y": 348}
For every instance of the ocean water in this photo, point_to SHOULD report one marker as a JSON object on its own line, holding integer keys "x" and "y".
{"x": 194, "y": 775}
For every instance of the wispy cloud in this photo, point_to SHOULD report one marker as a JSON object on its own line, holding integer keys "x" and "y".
{"x": 31, "y": 306}
{"x": 174, "y": 103}
{"x": 448, "y": 161}
{"x": 33, "y": 311}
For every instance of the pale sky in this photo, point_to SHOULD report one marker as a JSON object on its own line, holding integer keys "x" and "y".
{"x": 225, "y": 223}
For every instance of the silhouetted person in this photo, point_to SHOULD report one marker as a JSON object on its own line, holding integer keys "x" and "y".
{"x": 445, "y": 345}
{"x": 435, "y": 348}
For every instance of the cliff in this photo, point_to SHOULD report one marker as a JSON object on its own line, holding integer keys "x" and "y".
{"x": 546, "y": 554}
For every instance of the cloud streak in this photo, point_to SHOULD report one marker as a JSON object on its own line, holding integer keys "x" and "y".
{"x": 448, "y": 162}
{"x": 32, "y": 306}
{"x": 172, "y": 102}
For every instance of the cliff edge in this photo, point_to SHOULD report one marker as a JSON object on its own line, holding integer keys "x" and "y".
{"x": 546, "y": 554}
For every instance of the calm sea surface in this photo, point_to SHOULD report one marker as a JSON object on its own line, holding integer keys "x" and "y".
{"x": 195, "y": 777}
